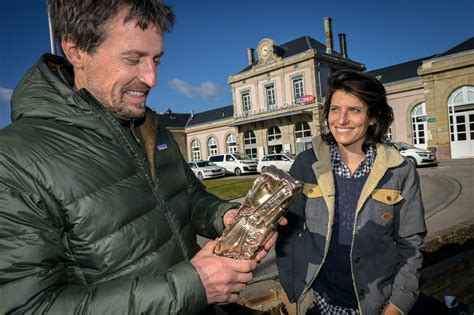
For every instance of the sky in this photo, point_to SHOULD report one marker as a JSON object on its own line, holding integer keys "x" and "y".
{"x": 210, "y": 39}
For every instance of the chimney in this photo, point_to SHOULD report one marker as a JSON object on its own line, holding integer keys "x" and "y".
{"x": 250, "y": 56}
{"x": 328, "y": 32}
{"x": 342, "y": 45}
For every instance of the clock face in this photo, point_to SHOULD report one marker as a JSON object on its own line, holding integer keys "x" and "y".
{"x": 265, "y": 50}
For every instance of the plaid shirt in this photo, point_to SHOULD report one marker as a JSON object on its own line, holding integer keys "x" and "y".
{"x": 342, "y": 170}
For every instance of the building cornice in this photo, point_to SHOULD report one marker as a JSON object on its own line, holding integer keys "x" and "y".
{"x": 212, "y": 124}
{"x": 447, "y": 63}
{"x": 404, "y": 85}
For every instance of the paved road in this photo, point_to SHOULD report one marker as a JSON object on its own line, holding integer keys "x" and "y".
{"x": 448, "y": 196}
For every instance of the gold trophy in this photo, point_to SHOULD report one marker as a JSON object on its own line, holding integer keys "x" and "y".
{"x": 263, "y": 206}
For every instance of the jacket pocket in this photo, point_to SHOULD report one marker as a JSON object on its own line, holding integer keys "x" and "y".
{"x": 383, "y": 211}
{"x": 315, "y": 208}
{"x": 387, "y": 196}
{"x": 312, "y": 191}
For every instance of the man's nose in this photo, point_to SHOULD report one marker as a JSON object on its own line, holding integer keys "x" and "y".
{"x": 148, "y": 73}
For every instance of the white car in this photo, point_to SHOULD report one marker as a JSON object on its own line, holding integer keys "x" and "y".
{"x": 282, "y": 161}
{"x": 235, "y": 163}
{"x": 206, "y": 169}
{"x": 416, "y": 155}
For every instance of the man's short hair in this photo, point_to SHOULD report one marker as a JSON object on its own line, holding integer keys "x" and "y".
{"x": 83, "y": 21}
{"x": 372, "y": 93}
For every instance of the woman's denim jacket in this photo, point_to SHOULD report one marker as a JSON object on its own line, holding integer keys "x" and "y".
{"x": 388, "y": 231}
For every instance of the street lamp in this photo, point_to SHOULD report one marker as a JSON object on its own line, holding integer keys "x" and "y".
{"x": 51, "y": 35}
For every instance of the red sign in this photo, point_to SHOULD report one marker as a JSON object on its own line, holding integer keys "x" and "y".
{"x": 308, "y": 99}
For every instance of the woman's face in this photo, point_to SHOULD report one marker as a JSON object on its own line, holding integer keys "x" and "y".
{"x": 348, "y": 120}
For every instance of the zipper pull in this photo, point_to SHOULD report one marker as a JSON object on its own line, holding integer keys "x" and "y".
{"x": 132, "y": 129}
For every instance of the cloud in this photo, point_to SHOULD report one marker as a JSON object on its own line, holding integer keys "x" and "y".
{"x": 207, "y": 90}
{"x": 5, "y": 94}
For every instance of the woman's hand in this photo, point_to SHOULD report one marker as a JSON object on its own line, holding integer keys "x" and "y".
{"x": 390, "y": 309}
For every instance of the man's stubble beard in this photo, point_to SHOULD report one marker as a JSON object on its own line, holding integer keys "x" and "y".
{"x": 124, "y": 112}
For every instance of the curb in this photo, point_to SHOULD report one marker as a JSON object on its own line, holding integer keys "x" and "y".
{"x": 457, "y": 191}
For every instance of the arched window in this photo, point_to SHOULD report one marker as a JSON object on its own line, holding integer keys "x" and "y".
{"x": 461, "y": 122}
{"x": 274, "y": 134}
{"x": 302, "y": 136}
{"x": 250, "y": 144}
{"x": 231, "y": 142}
{"x": 212, "y": 146}
{"x": 274, "y": 140}
{"x": 419, "y": 127}
{"x": 196, "y": 150}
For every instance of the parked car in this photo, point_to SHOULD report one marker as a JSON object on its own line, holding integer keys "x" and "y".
{"x": 416, "y": 155}
{"x": 235, "y": 163}
{"x": 206, "y": 169}
{"x": 282, "y": 161}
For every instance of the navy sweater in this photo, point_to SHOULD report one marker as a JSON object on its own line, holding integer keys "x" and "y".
{"x": 334, "y": 282}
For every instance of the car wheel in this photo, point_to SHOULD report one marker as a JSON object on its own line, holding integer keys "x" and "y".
{"x": 412, "y": 159}
{"x": 237, "y": 172}
{"x": 200, "y": 176}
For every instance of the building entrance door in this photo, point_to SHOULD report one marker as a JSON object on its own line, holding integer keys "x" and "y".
{"x": 272, "y": 149}
{"x": 461, "y": 122}
{"x": 462, "y": 144}
{"x": 419, "y": 126}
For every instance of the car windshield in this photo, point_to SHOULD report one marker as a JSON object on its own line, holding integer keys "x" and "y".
{"x": 242, "y": 156}
{"x": 289, "y": 155}
{"x": 204, "y": 163}
{"x": 403, "y": 146}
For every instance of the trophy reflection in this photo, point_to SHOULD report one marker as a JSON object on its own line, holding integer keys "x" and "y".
{"x": 263, "y": 206}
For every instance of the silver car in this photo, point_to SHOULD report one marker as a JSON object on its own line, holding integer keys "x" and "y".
{"x": 206, "y": 169}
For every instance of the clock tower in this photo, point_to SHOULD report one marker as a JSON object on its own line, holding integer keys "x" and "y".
{"x": 266, "y": 50}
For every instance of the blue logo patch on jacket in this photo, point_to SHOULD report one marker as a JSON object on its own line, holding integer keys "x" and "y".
{"x": 161, "y": 147}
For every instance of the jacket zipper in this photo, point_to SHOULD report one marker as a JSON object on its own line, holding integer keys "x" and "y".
{"x": 352, "y": 266}
{"x": 139, "y": 160}
{"x": 132, "y": 129}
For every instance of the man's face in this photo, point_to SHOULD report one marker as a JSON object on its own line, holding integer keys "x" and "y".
{"x": 123, "y": 69}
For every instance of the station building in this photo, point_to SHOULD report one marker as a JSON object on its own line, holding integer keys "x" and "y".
{"x": 278, "y": 97}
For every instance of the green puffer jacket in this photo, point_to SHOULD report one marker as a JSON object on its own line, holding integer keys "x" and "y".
{"x": 85, "y": 227}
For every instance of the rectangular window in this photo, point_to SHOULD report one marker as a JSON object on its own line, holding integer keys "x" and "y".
{"x": 298, "y": 89}
{"x": 252, "y": 152}
{"x": 270, "y": 92}
{"x": 389, "y": 133}
{"x": 246, "y": 101}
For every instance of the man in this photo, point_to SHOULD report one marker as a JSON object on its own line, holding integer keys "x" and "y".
{"x": 98, "y": 210}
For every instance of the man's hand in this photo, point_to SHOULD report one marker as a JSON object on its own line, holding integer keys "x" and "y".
{"x": 222, "y": 277}
{"x": 229, "y": 217}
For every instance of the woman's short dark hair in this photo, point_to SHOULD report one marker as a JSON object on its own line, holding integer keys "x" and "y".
{"x": 84, "y": 21}
{"x": 372, "y": 93}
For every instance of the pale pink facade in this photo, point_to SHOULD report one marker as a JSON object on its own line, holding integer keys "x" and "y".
{"x": 402, "y": 103}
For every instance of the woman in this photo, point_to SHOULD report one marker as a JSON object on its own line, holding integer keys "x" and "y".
{"x": 352, "y": 244}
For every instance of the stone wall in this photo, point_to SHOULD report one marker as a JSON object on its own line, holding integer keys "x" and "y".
{"x": 455, "y": 275}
